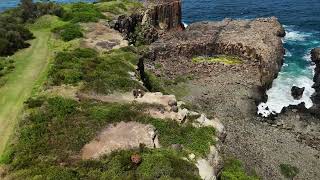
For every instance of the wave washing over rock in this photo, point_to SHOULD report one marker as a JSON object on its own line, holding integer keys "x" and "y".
{"x": 298, "y": 70}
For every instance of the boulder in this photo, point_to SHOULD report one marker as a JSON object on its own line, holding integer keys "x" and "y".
{"x": 297, "y": 92}
{"x": 121, "y": 136}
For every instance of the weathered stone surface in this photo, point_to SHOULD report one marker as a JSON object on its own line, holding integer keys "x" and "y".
{"x": 247, "y": 39}
{"x": 120, "y": 136}
{"x": 297, "y": 92}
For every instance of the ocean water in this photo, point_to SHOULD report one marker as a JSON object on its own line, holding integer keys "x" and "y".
{"x": 301, "y": 20}
{"x": 6, "y": 4}
{"x": 302, "y": 24}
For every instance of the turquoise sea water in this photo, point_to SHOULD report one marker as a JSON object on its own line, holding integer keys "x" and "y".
{"x": 302, "y": 23}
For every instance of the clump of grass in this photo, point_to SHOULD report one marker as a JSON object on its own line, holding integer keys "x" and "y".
{"x": 234, "y": 170}
{"x": 55, "y": 132}
{"x": 288, "y": 170}
{"x": 225, "y": 59}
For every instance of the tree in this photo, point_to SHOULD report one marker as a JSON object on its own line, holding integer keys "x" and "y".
{"x": 27, "y": 8}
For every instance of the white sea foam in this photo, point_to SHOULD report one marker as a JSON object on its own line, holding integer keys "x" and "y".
{"x": 279, "y": 96}
{"x": 185, "y": 24}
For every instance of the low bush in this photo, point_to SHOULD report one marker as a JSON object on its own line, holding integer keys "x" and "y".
{"x": 83, "y": 12}
{"x": 288, "y": 170}
{"x": 118, "y": 7}
{"x": 103, "y": 75}
{"x": 69, "y": 32}
{"x": 234, "y": 170}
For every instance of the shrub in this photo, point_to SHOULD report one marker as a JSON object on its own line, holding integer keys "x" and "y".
{"x": 234, "y": 170}
{"x": 288, "y": 170}
{"x": 83, "y": 12}
{"x": 69, "y": 32}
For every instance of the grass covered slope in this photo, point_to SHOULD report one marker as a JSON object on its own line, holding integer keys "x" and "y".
{"x": 30, "y": 64}
{"x": 57, "y": 129}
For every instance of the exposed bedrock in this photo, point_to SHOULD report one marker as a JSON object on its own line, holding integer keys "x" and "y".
{"x": 156, "y": 18}
{"x": 257, "y": 42}
{"x": 315, "y": 57}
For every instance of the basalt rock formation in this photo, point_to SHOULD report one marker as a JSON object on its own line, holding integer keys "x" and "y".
{"x": 156, "y": 18}
{"x": 297, "y": 92}
{"x": 257, "y": 42}
{"x": 315, "y": 57}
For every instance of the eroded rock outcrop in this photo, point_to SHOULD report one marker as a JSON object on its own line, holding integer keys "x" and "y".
{"x": 156, "y": 18}
{"x": 315, "y": 57}
{"x": 257, "y": 42}
{"x": 121, "y": 136}
{"x": 297, "y": 92}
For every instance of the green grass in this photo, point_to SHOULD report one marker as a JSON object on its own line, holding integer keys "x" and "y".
{"x": 225, "y": 59}
{"x": 47, "y": 22}
{"x": 100, "y": 74}
{"x": 118, "y": 7}
{"x": 30, "y": 64}
{"x": 57, "y": 129}
{"x": 233, "y": 170}
{"x": 288, "y": 170}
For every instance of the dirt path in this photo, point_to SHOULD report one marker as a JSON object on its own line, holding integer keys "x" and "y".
{"x": 30, "y": 64}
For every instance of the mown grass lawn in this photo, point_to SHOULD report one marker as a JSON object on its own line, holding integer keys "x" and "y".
{"x": 31, "y": 64}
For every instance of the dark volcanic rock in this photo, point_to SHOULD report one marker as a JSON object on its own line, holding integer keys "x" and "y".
{"x": 158, "y": 17}
{"x": 297, "y": 92}
{"x": 315, "y": 57}
{"x": 256, "y": 41}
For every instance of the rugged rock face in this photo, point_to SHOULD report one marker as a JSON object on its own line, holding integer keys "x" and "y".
{"x": 297, "y": 92}
{"x": 247, "y": 39}
{"x": 163, "y": 14}
{"x": 315, "y": 57}
{"x": 157, "y": 18}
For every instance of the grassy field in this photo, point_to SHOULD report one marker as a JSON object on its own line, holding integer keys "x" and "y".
{"x": 31, "y": 63}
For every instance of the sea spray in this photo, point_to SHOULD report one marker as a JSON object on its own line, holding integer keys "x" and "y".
{"x": 297, "y": 70}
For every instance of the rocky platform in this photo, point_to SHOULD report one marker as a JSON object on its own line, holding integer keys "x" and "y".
{"x": 261, "y": 49}
{"x": 231, "y": 92}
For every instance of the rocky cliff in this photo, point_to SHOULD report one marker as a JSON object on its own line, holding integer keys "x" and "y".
{"x": 156, "y": 18}
{"x": 257, "y": 42}
{"x": 315, "y": 57}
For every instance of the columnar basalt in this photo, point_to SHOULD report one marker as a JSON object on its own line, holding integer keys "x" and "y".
{"x": 156, "y": 18}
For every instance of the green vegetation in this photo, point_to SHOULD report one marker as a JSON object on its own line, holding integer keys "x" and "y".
{"x": 13, "y": 33}
{"x": 46, "y": 22}
{"x": 82, "y": 12}
{"x": 57, "y": 128}
{"x": 234, "y": 170}
{"x": 69, "y": 32}
{"x": 225, "y": 59}
{"x": 288, "y": 170}
{"x": 29, "y": 65}
{"x": 118, "y": 7}
{"x": 175, "y": 86}
{"x": 101, "y": 74}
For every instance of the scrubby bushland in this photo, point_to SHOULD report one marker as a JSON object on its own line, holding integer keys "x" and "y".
{"x": 51, "y": 137}
{"x": 82, "y": 12}
{"x": 101, "y": 74}
{"x": 13, "y": 33}
{"x": 69, "y": 32}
